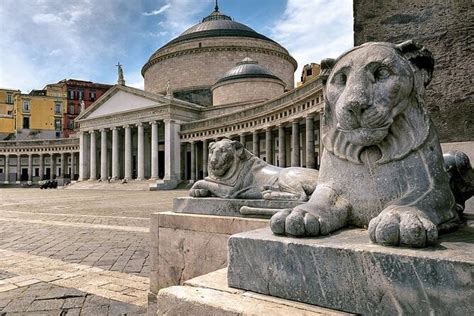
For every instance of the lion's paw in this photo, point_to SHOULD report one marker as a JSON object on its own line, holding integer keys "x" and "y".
{"x": 295, "y": 223}
{"x": 199, "y": 192}
{"x": 406, "y": 226}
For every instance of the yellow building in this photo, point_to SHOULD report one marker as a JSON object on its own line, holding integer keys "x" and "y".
{"x": 7, "y": 121}
{"x": 38, "y": 115}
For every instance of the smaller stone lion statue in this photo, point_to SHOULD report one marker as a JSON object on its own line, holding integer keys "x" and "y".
{"x": 382, "y": 165}
{"x": 235, "y": 173}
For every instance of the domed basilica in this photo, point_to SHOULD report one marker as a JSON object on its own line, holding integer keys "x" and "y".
{"x": 219, "y": 78}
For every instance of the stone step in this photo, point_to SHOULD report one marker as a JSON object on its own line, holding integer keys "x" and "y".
{"x": 113, "y": 185}
{"x": 210, "y": 295}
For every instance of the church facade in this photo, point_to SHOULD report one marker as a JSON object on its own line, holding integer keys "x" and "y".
{"x": 218, "y": 79}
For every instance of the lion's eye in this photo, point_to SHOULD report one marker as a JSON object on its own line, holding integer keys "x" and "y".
{"x": 340, "y": 79}
{"x": 382, "y": 73}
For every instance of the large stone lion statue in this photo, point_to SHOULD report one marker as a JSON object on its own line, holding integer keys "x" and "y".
{"x": 236, "y": 173}
{"x": 382, "y": 166}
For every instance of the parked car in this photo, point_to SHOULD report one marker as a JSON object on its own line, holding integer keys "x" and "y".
{"x": 49, "y": 184}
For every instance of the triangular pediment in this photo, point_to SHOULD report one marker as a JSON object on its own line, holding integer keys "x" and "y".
{"x": 120, "y": 99}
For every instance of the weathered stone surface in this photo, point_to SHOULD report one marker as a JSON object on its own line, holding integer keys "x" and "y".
{"x": 184, "y": 246}
{"x": 210, "y": 295}
{"x": 347, "y": 272}
{"x": 382, "y": 165}
{"x": 236, "y": 173}
{"x": 227, "y": 207}
{"x": 445, "y": 28}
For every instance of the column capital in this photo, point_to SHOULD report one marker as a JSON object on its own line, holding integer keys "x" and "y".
{"x": 310, "y": 116}
{"x": 296, "y": 120}
{"x": 269, "y": 128}
{"x": 153, "y": 122}
{"x": 139, "y": 124}
{"x": 114, "y": 128}
{"x": 102, "y": 130}
{"x": 92, "y": 132}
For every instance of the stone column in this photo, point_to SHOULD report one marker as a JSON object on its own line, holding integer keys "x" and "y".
{"x": 281, "y": 147}
{"x": 154, "y": 150}
{"x": 82, "y": 156}
{"x": 310, "y": 158}
{"x": 93, "y": 162}
{"x": 18, "y": 168}
{"x": 255, "y": 144}
{"x": 115, "y": 154}
{"x": 41, "y": 166}
{"x": 7, "y": 168}
{"x": 205, "y": 154}
{"x": 242, "y": 138}
{"x": 128, "y": 152}
{"x": 73, "y": 166}
{"x": 30, "y": 167}
{"x": 103, "y": 154}
{"x": 193, "y": 161}
{"x": 295, "y": 144}
{"x": 52, "y": 166}
{"x": 63, "y": 166}
{"x": 269, "y": 145}
{"x": 172, "y": 151}
{"x": 141, "y": 152}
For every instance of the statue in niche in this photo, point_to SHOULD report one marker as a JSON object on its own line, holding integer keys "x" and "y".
{"x": 236, "y": 173}
{"x": 382, "y": 166}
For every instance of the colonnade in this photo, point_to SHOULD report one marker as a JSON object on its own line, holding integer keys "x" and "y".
{"x": 140, "y": 151}
{"x": 290, "y": 144}
{"x": 37, "y": 166}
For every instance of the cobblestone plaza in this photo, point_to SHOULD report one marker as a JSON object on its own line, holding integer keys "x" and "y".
{"x": 60, "y": 256}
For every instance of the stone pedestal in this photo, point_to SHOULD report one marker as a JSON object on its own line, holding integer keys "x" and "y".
{"x": 345, "y": 271}
{"x": 184, "y": 246}
{"x": 229, "y": 207}
{"x": 210, "y": 295}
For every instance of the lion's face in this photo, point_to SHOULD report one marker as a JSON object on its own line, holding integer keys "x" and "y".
{"x": 374, "y": 98}
{"x": 222, "y": 156}
{"x": 368, "y": 87}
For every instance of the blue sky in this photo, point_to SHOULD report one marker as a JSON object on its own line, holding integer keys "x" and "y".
{"x": 44, "y": 41}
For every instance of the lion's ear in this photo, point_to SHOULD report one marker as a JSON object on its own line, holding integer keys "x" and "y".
{"x": 239, "y": 149}
{"x": 420, "y": 57}
{"x": 326, "y": 67}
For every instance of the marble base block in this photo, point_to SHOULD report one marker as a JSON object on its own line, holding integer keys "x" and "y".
{"x": 345, "y": 271}
{"x": 227, "y": 207}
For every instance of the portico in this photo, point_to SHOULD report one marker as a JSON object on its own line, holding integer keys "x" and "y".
{"x": 133, "y": 135}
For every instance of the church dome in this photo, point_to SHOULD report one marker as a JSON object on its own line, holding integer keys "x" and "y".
{"x": 195, "y": 60}
{"x": 247, "y": 68}
{"x": 246, "y": 82}
{"x": 217, "y": 24}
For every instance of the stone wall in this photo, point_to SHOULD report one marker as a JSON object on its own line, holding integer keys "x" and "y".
{"x": 242, "y": 90}
{"x": 446, "y": 29}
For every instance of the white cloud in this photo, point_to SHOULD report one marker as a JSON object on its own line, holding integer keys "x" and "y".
{"x": 159, "y": 11}
{"x": 179, "y": 16}
{"x": 46, "y": 18}
{"x": 316, "y": 29}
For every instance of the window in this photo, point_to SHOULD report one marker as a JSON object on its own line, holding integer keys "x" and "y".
{"x": 309, "y": 72}
{"x": 81, "y": 95}
{"x": 71, "y": 109}
{"x": 57, "y": 107}
{"x": 70, "y": 124}
{"x": 92, "y": 96}
{"x": 26, "y": 122}
{"x": 9, "y": 98}
{"x": 26, "y": 105}
{"x": 70, "y": 94}
{"x": 57, "y": 124}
